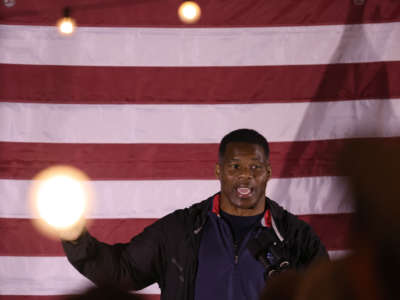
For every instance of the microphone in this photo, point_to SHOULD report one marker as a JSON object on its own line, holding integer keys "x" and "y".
{"x": 277, "y": 250}
{"x": 266, "y": 250}
{"x": 257, "y": 251}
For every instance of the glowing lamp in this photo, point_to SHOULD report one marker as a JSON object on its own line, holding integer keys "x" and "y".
{"x": 66, "y": 25}
{"x": 189, "y": 12}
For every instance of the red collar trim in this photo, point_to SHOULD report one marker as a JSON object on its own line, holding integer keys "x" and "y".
{"x": 266, "y": 221}
{"x": 215, "y": 207}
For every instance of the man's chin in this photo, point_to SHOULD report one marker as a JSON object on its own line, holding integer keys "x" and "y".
{"x": 245, "y": 202}
{"x": 235, "y": 203}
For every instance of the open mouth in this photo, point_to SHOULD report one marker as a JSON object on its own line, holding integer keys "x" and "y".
{"x": 244, "y": 192}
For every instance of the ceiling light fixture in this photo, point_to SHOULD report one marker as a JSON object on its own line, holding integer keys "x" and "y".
{"x": 66, "y": 25}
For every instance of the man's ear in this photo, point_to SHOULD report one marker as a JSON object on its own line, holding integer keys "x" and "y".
{"x": 218, "y": 171}
{"x": 269, "y": 171}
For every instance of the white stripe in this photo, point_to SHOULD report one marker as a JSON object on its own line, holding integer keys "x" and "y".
{"x": 69, "y": 123}
{"x": 156, "y": 198}
{"x": 54, "y": 276}
{"x": 95, "y": 46}
{"x": 44, "y": 276}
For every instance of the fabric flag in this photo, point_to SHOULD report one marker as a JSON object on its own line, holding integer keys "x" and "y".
{"x": 139, "y": 102}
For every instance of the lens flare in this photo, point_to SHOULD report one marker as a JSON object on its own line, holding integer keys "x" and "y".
{"x": 60, "y": 199}
{"x": 189, "y": 12}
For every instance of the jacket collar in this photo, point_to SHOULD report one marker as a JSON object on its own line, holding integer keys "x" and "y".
{"x": 265, "y": 221}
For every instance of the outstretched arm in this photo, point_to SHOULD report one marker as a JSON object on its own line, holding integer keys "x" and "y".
{"x": 130, "y": 266}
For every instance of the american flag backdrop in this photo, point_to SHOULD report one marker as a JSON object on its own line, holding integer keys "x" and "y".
{"x": 140, "y": 102}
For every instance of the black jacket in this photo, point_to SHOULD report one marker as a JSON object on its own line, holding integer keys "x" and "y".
{"x": 166, "y": 252}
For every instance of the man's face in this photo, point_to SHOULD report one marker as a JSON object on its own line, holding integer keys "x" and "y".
{"x": 243, "y": 173}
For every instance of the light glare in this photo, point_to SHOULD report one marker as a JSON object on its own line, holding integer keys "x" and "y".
{"x": 189, "y": 12}
{"x": 60, "y": 199}
{"x": 70, "y": 203}
{"x": 66, "y": 25}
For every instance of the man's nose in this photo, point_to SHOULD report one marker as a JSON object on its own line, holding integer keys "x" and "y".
{"x": 245, "y": 172}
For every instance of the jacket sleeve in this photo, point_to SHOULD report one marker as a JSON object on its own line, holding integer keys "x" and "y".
{"x": 306, "y": 246}
{"x": 130, "y": 266}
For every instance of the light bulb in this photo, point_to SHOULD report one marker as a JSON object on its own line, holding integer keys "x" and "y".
{"x": 189, "y": 12}
{"x": 66, "y": 26}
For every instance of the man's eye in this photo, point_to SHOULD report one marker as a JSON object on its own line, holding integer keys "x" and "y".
{"x": 235, "y": 166}
{"x": 255, "y": 167}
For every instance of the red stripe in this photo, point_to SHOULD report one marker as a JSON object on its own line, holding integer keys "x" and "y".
{"x": 170, "y": 161}
{"x": 198, "y": 85}
{"x": 214, "y": 13}
{"x": 333, "y": 229}
{"x": 63, "y": 297}
{"x": 20, "y": 238}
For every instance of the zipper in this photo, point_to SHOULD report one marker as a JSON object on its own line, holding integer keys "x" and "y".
{"x": 236, "y": 252}
{"x": 243, "y": 242}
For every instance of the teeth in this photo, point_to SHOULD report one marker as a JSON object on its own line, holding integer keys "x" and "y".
{"x": 244, "y": 191}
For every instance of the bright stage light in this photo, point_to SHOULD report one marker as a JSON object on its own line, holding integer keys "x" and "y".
{"x": 60, "y": 199}
{"x": 189, "y": 12}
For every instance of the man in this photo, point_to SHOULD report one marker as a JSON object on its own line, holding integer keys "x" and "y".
{"x": 222, "y": 248}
